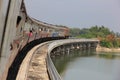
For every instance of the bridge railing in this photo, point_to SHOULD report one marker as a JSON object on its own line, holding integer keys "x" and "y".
{"x": 54, "y": 75}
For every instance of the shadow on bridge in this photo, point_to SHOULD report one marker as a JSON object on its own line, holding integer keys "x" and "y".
{"x": 13, "y": 70}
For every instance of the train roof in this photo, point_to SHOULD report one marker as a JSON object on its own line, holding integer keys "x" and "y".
{"x": 38, "y": 22}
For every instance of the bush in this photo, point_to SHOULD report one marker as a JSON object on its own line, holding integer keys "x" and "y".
{"x": 107, "y": 44}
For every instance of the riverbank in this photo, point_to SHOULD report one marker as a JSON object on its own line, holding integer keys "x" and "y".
{"x": 104, "y": 49}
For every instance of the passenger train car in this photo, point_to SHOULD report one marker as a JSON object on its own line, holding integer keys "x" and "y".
{"x": 17, "y": 29}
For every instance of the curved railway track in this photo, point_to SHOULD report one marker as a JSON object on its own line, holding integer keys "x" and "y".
{"x": 14, "y": 68}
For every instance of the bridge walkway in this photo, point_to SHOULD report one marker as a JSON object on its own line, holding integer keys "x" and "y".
{"x": 35, "y": 69}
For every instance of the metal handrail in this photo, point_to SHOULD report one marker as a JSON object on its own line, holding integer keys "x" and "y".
{"x": 54, "y": 75}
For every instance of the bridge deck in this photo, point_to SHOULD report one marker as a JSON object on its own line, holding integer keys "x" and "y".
{"x": 37, "y": 69}
{"x": 34, "y": 65}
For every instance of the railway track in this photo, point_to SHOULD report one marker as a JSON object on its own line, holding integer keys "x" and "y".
{"x": 14, "y": 68}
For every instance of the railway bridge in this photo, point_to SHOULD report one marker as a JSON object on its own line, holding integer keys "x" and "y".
{"x": 19, "y": 33}
{"x": 38, "y": 64}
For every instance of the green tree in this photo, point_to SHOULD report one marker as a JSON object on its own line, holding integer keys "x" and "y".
{"x": 74, "y": 32}
{"x": 108, "y": 38}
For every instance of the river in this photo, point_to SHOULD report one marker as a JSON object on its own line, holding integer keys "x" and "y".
{"x": 88, "y": 65}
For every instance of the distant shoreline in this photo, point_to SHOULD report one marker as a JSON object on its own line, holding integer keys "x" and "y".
{"x": 104, "y": 49}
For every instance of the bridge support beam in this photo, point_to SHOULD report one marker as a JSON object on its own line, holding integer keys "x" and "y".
{"x": 66, "y": 48}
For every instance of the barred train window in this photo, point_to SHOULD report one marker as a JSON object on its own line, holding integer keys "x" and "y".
{"x": 18, "y": 20}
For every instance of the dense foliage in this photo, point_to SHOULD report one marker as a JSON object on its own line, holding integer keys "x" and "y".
{"x": 108, "y": 38}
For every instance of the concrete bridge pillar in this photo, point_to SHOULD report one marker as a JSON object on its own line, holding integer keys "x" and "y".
{"x": 72, "y": 46}
{"x": 65, "y": 49}
{"x": 88, "y": 45}
{"x": 94, "y": 45}
{"x": 80, "y": 45}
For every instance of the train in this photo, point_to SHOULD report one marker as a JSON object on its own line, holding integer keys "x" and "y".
{"x": 17, "y": 29}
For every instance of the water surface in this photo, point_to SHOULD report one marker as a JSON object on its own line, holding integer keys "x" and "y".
{"x": 87, "y": 66}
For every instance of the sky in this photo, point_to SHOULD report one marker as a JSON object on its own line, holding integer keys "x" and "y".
{"x": 76, "y": 13}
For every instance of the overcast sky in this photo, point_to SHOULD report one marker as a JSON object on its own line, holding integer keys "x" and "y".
{"x": 76, "y": 13}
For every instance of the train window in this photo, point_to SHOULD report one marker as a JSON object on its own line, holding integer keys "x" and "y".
{"x": 41, "y": 29}
{"x": 21, "y": 29}
{"x": 18, "y": 20}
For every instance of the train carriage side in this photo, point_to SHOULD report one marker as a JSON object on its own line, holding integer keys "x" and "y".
{"x": 11, "y": 20}
{"x": 15, "y": 32}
